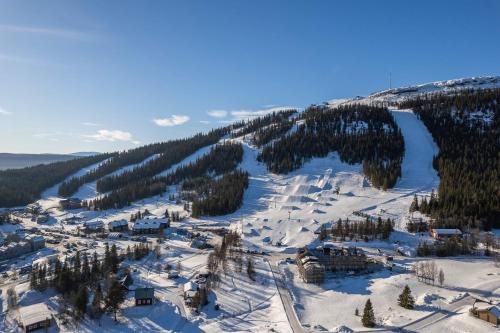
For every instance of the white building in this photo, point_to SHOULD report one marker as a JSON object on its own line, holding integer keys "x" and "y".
{"x": 36, "y": 316}
{"x": 150, "y": 226}
{"x": 118, "y": 225}
{"x": 93, "y": 226}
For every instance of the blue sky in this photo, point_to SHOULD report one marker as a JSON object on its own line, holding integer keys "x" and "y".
{"x": 110, "y": 75}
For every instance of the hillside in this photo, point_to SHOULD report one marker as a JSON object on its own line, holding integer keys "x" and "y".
{"x": 375, "y": 159}
{"x": 17, "y": 161}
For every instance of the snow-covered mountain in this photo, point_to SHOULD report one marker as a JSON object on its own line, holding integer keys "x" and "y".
{"x": 448, "y": 86}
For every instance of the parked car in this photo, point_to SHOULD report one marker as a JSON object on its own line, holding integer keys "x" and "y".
{"x": 172, "y": 275}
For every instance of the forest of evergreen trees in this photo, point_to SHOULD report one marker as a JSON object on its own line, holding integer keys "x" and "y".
{"x": 23, "y": 186}
{"x": 466, "y": 128}
{"x": 359, "y": 133}
{"x": 221, "y": 196}
{"x": 253, "y": 125}
{"x": 366, "y": 230}
{"x": 264, "y": 135}
{"x": 221, "y": 159}
{"x": 122, "y": 159}
{"x": 171, "y": 152}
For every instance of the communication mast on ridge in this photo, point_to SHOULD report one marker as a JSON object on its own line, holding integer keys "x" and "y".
{"x": 390, "y": 80}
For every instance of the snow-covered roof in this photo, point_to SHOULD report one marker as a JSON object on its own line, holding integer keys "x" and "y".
{"x": 190, "y": 286}
{"x": 93, "y": 224}
{"x": 307, "y": 259}
{"x": 482, "y": 305}
{"x": 35, "y": 238}
{"x": 447, "y": 231}
{"x": 495, "y": 310}
{"x": 33, "y": 314}
{"x": 118, "y": 223}
{"x": 149, "y": 223}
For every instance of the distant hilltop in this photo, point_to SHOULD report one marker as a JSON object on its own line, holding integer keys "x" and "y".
{"x": 84, "y": 153}
{"x": 17, "y": 161}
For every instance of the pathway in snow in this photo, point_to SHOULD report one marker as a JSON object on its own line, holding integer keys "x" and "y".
{"x": 88, "y": 190}
{"x": 52, "y": 192}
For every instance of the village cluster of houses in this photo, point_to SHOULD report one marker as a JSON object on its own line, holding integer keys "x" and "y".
{"x": 313, "y": 263}
{"x": 15, "y": 249}
{"x": 38, "y": 316}
{"x": 141, "y": 226}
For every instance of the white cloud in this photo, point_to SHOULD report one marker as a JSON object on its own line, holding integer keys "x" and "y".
{"x": 4, "y": 112}
{"x": 91, "y": 124}
{"x": 246, "y": 114}
{"x": 217, "y": 113}
{"x": 174, "y": 120}
{"x": 205, "y": 121}
{"x": 112, "y": 136}
{"x": 55, "y": 32}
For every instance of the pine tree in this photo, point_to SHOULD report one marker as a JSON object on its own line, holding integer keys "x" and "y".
{"x": 11, "y": 298}
{"x": 405, "y": 299}
{"x": 113, "y": 259}
{"x": 129, "y": 253}
{"x": 250, "y": 268}
{"x": 81, "y": 299}
{"x": 322, "y": 234}
{"x": 97, "y": 302}
{"x": 115, "y": 297}
{"x": 441, "y": 277}
{"x": 414, "y": 205}
{"x": 34, "y": 279}
{"x": 95, "y": 270}
{"x": 368, "y": 319}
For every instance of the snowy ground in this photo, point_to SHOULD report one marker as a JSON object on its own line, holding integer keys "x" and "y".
{"x": 332, "y": 304}
{"x": 307, "y": 195}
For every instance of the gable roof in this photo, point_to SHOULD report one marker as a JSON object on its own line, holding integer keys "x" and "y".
{"x": 33, "y": 314}
{"x": 144, "y": 293}
{"x": 447, "y": 231}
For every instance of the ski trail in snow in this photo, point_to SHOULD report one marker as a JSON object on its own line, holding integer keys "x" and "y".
{"x": 52, "y": 191}
{"x": 417, "y": 170}
{"x": 88, "y": 190}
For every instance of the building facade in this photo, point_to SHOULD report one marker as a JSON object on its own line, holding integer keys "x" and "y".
{"x": 144, "y": 296}
{"x": 312, "y": 264}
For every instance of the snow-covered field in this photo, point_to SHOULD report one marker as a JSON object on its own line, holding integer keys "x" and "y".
{"x": 288, "y": 209}
{"x": 333, "y": 303}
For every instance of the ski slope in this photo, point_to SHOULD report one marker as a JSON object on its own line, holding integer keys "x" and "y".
{"x": 420, "y": 148}
{"x": 286, "y": 209}
{"x": 89, "y": 190}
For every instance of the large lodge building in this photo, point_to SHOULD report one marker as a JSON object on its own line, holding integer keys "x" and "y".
{"x": 313, "y": 263}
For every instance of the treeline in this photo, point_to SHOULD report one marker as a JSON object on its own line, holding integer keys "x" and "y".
{"x": 366, "y": 230}
{"x": 122, "y": 159}
{"x": 359, "y": 133}
{"x": 264, "y": 135}
{"x": 449, "y": 247}
{"x": 466, "y": 128}
{"x": 221, "y": 158}
{"x": 253, "y": 125}
{"x": 177, "y": 150}
{"x": 221, "y": 196}
{"x": 74, "y": 279}
{"x": 23, "y": 186}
